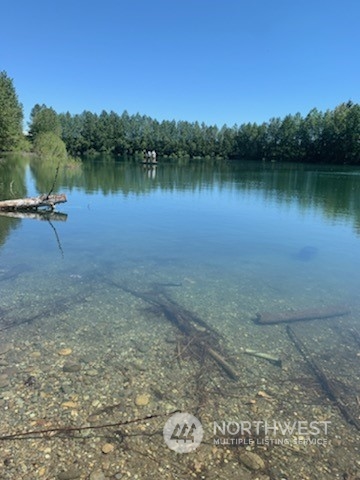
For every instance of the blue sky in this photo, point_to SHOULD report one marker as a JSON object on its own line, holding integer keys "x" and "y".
{"x": 213, "y": 61}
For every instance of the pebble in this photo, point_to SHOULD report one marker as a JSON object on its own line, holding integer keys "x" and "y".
{"x": 92, "y": 373}
{"x": 252, "y": 460}
{"x": 97, "y": 475}
{"x": 36, "y": 354}
{"x": 107, "y": 448}
{"x": 5, "y": 347}
{"x": 64, "y": 352}
{"x": 142, "y": 400}
{"x": 4, "y": 381}
{"x": 70, "y": 474}
{"x": 71, "y": 367}
{"x": 69, "y": 404}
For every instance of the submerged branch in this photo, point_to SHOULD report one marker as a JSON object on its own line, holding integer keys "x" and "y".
{"x": 58, "y": 430}
{"x": 325, "y": 383}
{"x": 195, "y": 329}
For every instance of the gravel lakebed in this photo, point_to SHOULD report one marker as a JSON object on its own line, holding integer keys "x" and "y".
{"x": 96, "y": 382}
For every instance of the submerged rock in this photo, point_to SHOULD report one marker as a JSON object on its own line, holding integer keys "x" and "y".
{"x": 107, "y": 448}
{"x": 142, "y": 400}
{"x": 4, "y": 381}
{"x": 5, "y": 347}
{"x": 71, "y": 367}
{"x": 252, "y": 460}
{"x": 70, "y": 474}
{"x": 97, "y": 475}
{"x": 64, "y": 352}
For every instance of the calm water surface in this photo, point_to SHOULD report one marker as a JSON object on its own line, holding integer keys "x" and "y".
{"x": 269, "y": 233}
{"x": 233, "y": 239}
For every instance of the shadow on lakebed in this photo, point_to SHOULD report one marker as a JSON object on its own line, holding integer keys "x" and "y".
{"x": 306, "y": 254}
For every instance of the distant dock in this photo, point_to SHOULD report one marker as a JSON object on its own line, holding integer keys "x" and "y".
{"x": 150, "y": 157}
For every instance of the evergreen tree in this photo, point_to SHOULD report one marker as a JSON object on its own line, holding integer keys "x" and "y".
{"x": 330, "y": 137}
{"x": 11, "y": 115}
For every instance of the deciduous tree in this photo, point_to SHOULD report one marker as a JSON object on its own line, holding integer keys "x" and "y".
{"x": 44, "y": 119}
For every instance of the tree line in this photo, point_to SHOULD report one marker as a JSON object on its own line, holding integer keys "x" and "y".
{"x": 332, "y": 136}
{"x": 329, "y": 137}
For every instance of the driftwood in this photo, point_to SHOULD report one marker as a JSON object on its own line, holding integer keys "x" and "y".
{"x": 32, "y": 203}
{"x": 196, "y": 331}
{"x": 266, "y": 356}
{"x": 325, "y": 383}
{"x": 301, "y": 315}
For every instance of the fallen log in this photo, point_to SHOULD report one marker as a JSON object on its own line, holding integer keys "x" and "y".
{"x": 266, "y": 318}
{"x": 32, "y": 203}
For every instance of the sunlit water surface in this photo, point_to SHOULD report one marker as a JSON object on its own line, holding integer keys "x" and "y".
{"x": 262, "y": 233}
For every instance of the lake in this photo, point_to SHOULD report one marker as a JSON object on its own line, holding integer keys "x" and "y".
{"x": 112, "y": 309}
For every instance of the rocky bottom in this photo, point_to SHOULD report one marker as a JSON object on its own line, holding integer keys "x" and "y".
{"x": 86, "y": 392}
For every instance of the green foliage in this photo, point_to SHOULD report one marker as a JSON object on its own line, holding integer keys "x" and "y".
{"x": 11, "y": 115}
{"x": 330, "y": 137}
{"x": 110, "y": 133}
{"x": 24, "y": 144}
{"x": 333, "y": 137}
{"x": 49, "y": 145}
{"x": 43, "y": 119}
{"x": 45, "y": 134}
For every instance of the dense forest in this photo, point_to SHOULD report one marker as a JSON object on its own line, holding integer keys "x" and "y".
{"x": 320, "y": 137}
{"x": 330, "y": 137}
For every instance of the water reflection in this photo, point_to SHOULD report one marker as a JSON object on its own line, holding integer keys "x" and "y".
{"x": 12, "y": 185}
{"x": 333, "y": 190}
